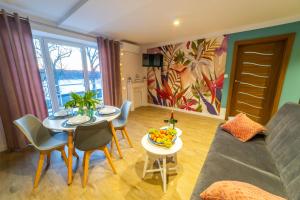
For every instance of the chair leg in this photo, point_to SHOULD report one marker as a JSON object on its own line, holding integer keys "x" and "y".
{"x": 123, "y": 135}
{"x": 111, "y": 146}
{"x": 39, "y": 169}
{"x": 75, "y": 153}
{"x": 64, "y": 156}
{"x": 116, "y": 139}
{"x": 124, "y": 131}
{"x": 86, "y": 160}
{"x": 84, "y": 156}
{"x": 48, "y": 158}
{"x": 109, "y": 159}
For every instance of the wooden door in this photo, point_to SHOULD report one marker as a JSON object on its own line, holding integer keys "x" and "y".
{"x": 259, "y": 68}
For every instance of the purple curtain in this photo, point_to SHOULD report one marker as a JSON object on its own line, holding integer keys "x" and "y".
{"x": 109, "y": 54}
{"x": 21, "y": 90}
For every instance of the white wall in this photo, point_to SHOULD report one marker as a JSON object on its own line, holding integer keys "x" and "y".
{"x": 131, "y": 65}
{"x": 62, "y": 34}
{"x": 3, "y": 146}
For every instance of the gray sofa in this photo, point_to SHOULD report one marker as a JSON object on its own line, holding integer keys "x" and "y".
{"x": 270, "y": 162}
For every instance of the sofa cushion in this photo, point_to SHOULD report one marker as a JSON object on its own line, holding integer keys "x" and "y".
{"x": 228, "y": 190}
{"x": 243, "y": 128}
{"x": 253, "y": 153}
{"x": 219, "y": 167}
{"x": 283, "y": 142}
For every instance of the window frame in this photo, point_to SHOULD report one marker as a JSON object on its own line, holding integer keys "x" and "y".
{"x": 44, "y": 41}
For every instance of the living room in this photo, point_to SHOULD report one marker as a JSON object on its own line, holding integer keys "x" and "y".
{"x": 149, "y": 99}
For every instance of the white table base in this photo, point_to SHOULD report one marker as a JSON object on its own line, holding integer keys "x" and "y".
{"x": 162, "y": 168}
{"x": 160, "y": 155}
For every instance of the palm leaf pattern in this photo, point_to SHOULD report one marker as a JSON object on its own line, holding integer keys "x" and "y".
{"x": 175, "y": 80}
{"x": 189, "y": 78}
{"x": 169, "y": 52}
{"x": 209, "y": 49}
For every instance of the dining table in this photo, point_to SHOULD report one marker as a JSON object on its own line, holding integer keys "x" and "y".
{"x": 60, "y": 124}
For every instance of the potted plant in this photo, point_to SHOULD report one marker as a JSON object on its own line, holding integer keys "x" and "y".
{"x": 86, "y": 104}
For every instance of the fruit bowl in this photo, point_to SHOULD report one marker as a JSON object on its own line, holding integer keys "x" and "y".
{"x": 162, "y": 137}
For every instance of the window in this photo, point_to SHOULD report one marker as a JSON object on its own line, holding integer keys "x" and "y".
{"x": 40, "y": 61}
{"x": 94, "y": 71}
{"x": 67, "y": 67}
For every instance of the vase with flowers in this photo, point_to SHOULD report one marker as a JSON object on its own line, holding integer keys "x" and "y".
{"x": 86, "y": 104}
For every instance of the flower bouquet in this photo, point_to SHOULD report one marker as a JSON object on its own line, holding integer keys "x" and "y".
{"x": 86, "y": 104}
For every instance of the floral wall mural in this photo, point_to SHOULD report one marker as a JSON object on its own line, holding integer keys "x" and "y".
{"x": 192, "y": 76}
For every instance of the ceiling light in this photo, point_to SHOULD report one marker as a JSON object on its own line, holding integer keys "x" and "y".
{"x": 176, "y": 22}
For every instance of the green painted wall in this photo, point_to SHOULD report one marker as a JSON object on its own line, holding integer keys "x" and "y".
{"x": 291, "y": 86}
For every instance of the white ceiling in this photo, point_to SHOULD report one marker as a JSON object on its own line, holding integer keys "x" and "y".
{"x": 150, "y": 21}
{"x": 51, "y": 10}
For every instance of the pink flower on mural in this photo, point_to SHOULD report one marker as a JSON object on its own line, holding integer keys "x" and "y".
{"x": 188, "y": 103}
{"x": 213, "y": 85}
{"x": 223, "y": 47}
{"x": 166, "y": 94}
{"x": 188, "y": 44}
{"x": 150, "y": 81}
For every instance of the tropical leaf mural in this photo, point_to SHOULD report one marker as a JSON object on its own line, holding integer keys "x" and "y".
{"x": 192, "y": 76}
{"x": 175, "y": 80}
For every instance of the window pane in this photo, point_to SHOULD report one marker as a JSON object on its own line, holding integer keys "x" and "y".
{"x": 94, "y": 72}
{"x": 41, "y": 65}
{"x": 67, "y": 68}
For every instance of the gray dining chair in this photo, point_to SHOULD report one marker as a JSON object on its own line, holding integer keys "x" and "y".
{"x": 43, "y": 140}
{"x": 90, "y": 138}
{"x": 120, "y": 122}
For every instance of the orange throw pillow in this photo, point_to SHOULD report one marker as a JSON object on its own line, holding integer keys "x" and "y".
{"x": 235, "y": 190}
{"x": 242, "y": 127}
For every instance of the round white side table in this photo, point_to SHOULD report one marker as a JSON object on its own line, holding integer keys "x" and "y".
{"x": 160, "y": 153}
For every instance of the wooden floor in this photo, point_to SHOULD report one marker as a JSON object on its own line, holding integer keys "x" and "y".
{"x": 17, "y": 169}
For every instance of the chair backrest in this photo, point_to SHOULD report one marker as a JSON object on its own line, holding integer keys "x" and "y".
{"x": 92, "y": 136}
{"x": 283, "y": 142}
{"x": 125, "y": 110}
{"x": 33, "y": 129}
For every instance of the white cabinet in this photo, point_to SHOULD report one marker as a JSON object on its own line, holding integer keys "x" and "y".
{"x": 137, "y": 93}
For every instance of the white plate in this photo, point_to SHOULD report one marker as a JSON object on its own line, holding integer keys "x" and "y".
{"x": 61, "y": 113}
{"x": 99, "y": 106}
{"x": 107, "y": 110}
{"x": 79, "y": 119}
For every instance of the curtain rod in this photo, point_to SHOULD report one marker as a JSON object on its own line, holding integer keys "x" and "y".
{"x": 2, "y": 11}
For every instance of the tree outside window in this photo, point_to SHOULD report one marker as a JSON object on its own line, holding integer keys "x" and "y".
{"x": 64, "y": 70}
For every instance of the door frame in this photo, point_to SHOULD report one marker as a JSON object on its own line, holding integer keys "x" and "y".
{"x": 288, "y": 39}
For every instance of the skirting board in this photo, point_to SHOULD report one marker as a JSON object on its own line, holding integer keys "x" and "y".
{"x": 221, "y": 116}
